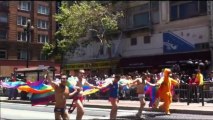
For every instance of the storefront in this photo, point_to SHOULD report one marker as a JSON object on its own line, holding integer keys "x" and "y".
{"x": 96, "y": 67}
{"x": 160, "y": 61}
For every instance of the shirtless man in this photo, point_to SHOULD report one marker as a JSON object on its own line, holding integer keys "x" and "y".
{"x": 61, "y": 94}
{"x": 80, "y": 83}
{"x": 140, "y": 84}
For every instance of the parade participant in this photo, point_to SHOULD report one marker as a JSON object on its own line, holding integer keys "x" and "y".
{"x": 81, "y": 81}
{"x": 164, "y": 91}
{"x": 140, "y": 85}
{"x": 113, "y": 95}
{"x": 61, "y": 93}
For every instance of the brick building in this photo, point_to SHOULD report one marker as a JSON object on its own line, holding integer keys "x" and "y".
{"x": 13, "y": 39}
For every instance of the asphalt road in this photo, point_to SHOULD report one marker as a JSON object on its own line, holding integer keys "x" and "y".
{"x": 10, "y": 111}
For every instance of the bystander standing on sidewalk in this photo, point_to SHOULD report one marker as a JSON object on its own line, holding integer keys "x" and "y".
{"x": 13, "y": 92}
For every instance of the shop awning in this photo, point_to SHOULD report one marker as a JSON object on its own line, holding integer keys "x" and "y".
{"x": 163, "y": 60}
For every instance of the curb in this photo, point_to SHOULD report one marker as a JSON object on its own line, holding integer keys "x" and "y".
{"x": 197, "y": 112}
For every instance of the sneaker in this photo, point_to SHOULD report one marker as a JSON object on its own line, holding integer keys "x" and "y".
{"x": 168, "y": 113}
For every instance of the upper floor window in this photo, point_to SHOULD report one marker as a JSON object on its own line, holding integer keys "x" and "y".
{"x": 143, "y": 15}
{"x": 4, "y": 3}
{"x": 141, "y": 19}
{"x": 133, "y": 41}
{"x": 22, "y": 36}
{"x": 25, "y": 5}
{"x": 43, "y": 9}
{"x": 3, "y": 54}
{"x": 43, "y": 39}
{"x": 155, "y": 17}
{"x": 3, "y": 17}
{"x": 21, "y": 20}
{"x": 147, "y": 39}
{"x": 42, "y": 24}
{"x": 22, "y": 55}
{"x": 42, "y": 57}
{"x": 187, "y": 9}
{"x": 3, "y": 35}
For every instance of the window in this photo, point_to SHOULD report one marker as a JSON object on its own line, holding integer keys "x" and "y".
{"x": 22, "y": 54}
{"x": 187, "y": 9}
{"x": 43, "y": 39}
{"x": 22, "y": 36}
{"x": 133, "y": 41}
{"x": 43, "y": 9}
{"x": 143, "y": 15}
{"x": 3, "y": 17}
{"x": 3, "y": 54}
{"x": 3, "y": 35}
{"x": 43, "y": 57}
{"x": 147, "y": 39}
{"x": 22, "y": 20}
{"x": 201, "y": 46}
{"x": 155, "y": 12}
{"x": 141, "y": 19}
{"x": 24, "y": 5}
{"x": 42, "y": 24}
{"x": 4, "y": 3}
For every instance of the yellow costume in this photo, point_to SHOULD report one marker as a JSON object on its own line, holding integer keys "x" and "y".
{"x": 164, "y": 91}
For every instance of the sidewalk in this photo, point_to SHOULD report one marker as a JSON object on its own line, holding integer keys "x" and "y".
{"x": 176, "y": 107}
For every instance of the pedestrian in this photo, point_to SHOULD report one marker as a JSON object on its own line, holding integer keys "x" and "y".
{"x": 113, "y": 95}
{"x": 61, "y": 94}
{"x": 78, "y": 99}
{"x": 140, "y": 85}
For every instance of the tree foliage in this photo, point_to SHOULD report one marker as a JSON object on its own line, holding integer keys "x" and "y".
{"x": 80, "y": 18}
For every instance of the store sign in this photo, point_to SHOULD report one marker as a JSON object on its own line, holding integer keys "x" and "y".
{"x": 92, "y": 65}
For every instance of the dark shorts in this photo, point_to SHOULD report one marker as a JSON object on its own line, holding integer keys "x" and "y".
{"x": 60, "y": 110}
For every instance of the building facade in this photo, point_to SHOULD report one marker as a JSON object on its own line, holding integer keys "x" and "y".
{"x": 13, "y": 38}
{"x": 156, "y": 34}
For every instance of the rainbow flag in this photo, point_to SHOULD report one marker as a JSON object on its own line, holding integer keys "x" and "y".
{"x": 152, "y": 92}
{"x": 15, "y": 84}
{"x": 42, "y": 99}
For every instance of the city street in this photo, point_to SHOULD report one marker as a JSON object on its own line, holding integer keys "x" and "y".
{"x": 26, "y": 111}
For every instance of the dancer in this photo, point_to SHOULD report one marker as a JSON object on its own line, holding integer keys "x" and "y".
{"x": 61, "y": 93}
{"x": 113, "y": 95}
{"x": 78, "y": 99}
{"x": 164, "y": 91}
{"x": 140, "y": 85}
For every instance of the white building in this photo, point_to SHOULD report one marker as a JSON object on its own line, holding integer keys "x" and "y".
{"x": 178, "y": 31}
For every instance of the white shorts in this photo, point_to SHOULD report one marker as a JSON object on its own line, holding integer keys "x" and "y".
{"x": 141, "y": 96}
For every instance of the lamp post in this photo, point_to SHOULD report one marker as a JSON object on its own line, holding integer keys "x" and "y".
{"x": 28, "y": 28}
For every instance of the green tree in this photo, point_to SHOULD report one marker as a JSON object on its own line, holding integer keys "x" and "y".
{"x": 79, "y": 18}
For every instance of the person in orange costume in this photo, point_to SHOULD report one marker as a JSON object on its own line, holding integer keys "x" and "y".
{"x": 165, "y": 92}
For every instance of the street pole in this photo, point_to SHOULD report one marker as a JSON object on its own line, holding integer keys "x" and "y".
{"x": 28, "y": 37}
{"x": 27, "y": 29}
